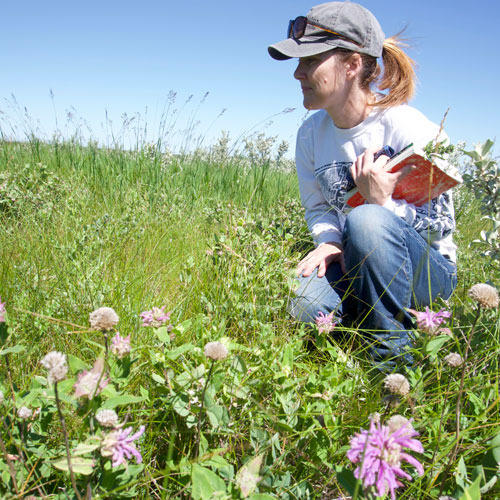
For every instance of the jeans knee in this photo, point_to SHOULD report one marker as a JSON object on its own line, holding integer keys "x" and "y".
{"x": 368, "y": 228}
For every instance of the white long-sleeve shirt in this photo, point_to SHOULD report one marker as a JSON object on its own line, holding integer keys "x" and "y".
{"x": 325, "y": 153}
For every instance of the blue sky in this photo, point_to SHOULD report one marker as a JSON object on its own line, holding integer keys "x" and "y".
{"x": 106, "y": 58}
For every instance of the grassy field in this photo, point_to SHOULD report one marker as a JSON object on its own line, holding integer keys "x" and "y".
{"x": 216, "y": 242}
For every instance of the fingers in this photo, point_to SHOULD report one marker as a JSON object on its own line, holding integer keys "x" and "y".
{"x": 400, "y": 174}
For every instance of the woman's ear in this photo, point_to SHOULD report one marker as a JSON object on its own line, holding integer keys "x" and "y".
{"x": 353, "y": 65}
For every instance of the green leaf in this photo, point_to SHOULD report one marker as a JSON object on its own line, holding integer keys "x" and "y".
{"x": 261, "y": 496}
{"x": 435, "y": 344}
{"x": 12, "y": 350}
{"x": 76, "y": 364}
{"x": 78, "y": 464}
{"x": 87, "y": 447}
{"x": 473, "y": 491}
{"x": 206, "y": 484}
{"x": 124, "y": 399}
{"x": 175, "y": 353}
{"x": 163, "y": 334}
{"x": 248, "y": 476}
{"x": 348, "y": 481}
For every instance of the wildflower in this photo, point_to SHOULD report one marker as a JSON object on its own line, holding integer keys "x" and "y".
{"x": 2, "y": 311}
{"x": 453, "y": 359}
{"x": 91, "y": 383}
{"x": 24, "y": 412}
{"x": 107, "y": 418}
{"x": 1, "y": 397}
{"x": 156, "y": 317}
{"x": 120, "y": 446}
{"x": 397, "y": 384}
{"x": 396, "y": 422}
{"x": 248, "y": 476}
{"x": 120, "y": 346}
{"x": 379, "y": 452}
{"x": 325, "y": 322}
{"x": 429, "y": 321}
{"x": 103, "y": 319}
{"x": 55, "y": 363}
{"x": 215, "y": 351}
{"x": 485, "y": 295}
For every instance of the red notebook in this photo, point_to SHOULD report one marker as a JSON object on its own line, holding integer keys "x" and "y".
{"x": 428, "y": 180}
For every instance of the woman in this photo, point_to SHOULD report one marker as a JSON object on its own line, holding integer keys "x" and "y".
{"x": 377, "y": 260}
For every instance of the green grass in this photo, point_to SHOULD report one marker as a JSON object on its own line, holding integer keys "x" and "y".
{"x": 84, "y": 227}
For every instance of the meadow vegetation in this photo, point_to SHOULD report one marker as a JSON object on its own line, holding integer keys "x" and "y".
{"x": 194, "y": 382}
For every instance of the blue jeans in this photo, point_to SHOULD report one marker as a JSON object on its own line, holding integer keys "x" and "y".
{"x": 390, "y": 267}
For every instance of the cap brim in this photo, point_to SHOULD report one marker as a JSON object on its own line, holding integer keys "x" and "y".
{"x": 304, "y": 47}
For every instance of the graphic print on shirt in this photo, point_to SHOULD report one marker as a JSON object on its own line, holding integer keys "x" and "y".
{"x": 335, "y": 180}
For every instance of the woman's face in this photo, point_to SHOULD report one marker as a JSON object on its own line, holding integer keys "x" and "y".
{"x": 322, "y": 78}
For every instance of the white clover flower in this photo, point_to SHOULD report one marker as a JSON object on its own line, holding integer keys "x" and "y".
{"x": 215, "y": 351}
{"x": 24, "y": 412}
{"x": 55, "y": 363}
{"x": 107, "y": 418}
{"x": 397, "y": 384}
{"x": 453, "y": 359}
{"x": 396, "y": 422}
{"x": 375, "y": 417}
{"x": 485, "y": 295}
{"x": 103, "y": 319}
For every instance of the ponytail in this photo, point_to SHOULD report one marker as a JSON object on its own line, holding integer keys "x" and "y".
{"x": 398, "y": 77}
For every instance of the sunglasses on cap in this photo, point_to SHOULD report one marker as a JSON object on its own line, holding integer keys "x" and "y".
{"x": 297, "y": 29}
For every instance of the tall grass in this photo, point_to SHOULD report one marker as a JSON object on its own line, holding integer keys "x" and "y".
{"x": 84, "y": 226}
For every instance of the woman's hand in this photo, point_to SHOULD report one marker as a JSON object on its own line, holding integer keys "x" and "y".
{"x": 319, "y": 258}
{"x": 374, "y": 182}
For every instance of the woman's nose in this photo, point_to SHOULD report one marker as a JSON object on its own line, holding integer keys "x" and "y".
{"x": 299, "y": 71}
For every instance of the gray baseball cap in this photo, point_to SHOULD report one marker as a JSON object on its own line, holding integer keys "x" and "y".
{"x": 354, "y": 28}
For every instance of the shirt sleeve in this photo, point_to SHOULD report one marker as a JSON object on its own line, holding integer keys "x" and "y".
{"x": 322, "y": 220}
{"x": 434, "y": 220}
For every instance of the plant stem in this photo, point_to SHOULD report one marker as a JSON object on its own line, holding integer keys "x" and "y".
{"x": 459, "y": 401}
{"x": 66, "y": 442}
{"x": 12, "y": 471}
{"x": 198, "y": 432}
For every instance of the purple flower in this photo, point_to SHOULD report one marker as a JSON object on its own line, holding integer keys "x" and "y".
{"x": 2, "y": 311}
{"x": 91, "y": 383}
{"x": 156, "y": 317}
{"x": 379, "y": 452}
{"x": 429, "y": 321}
{"x": 120, "y": 446}
{"x": 120, "y": 346}
{"x": 325, "y": 322}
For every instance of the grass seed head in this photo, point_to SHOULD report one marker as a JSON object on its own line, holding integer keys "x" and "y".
{"x": 485, "y": 295}
{"x": 107, "y": 418}
{"x": 104, "y": 319}
{"x": 215, "y": 351}
{"x": 55, "y": 363}
{"x": 396, "y": 383}
{"x": 453, "y": 359}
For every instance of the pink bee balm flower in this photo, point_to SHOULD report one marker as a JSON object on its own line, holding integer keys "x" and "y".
{"x": 156, "y": 317}
{"x": 120, "y": 346}
{"x": 429, "y": 321}
{"x": 91, "y": 383}
{"x": 325, "y": 322}
{"x": 379, "y": 452}
{"x": 120, "y": 446}
{"x": 2, "y": 311}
